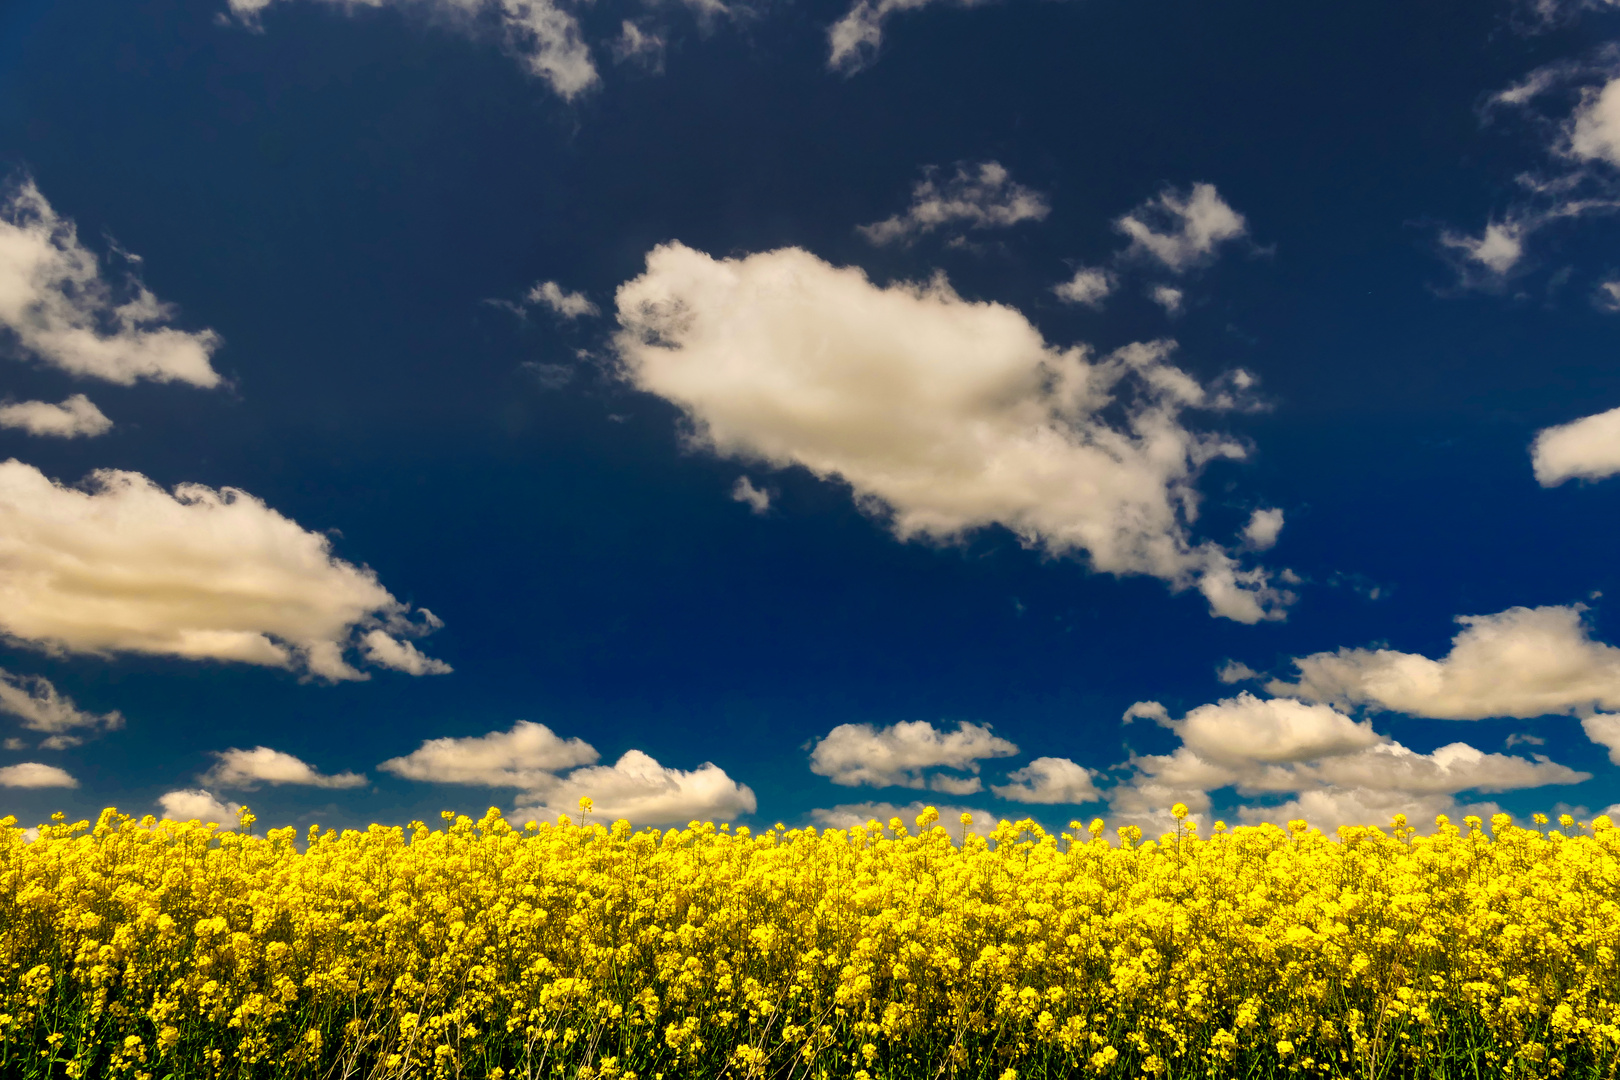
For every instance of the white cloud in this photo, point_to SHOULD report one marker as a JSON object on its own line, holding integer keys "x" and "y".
{"x": 568, "y": 305}
{"x": 1585, "y": 449}
{"x": 387, "y": 651}
{"x": 65, "y": 312}
{"x": 1167, "y": 297}
{"x": 1498, "y": 249}
{"x": 900, "y": 755}
{"x": 744, "y": 491}
{"x": 35, "y": 700}
{"x": 1182, "y": 230}
{"x": 977, "y": 197}
{"x": 856, "y": 815}
{"x": 544, "y": 37}
{"x": 1089, "y": 286}
{"x": 943, "y": 415}
{"x": 76, "y": 416}
{"x": 525, "y": 757}
{"x": 639, "y": 789}
{"x": 1263, "y": 529}
{"x": 1607, "y": 296}
{"x": 853, "y": 40}
{"x": 1329, "y": 808}
{"x": 1049, "y": 780}
{"x": 193, "y": 804}
{"x": 1235, "y": 671}
{"x": 641, "y": 46}
{"x": 1339, "y": 771}
{"x": 31, "y": 774}
{"x": 1604, "y": 729}
{"x": 1522, "y": 662}
{"x": 247, "y": 769}
{"x": 124, "y": 566}
{"x": 1594, "y": 132}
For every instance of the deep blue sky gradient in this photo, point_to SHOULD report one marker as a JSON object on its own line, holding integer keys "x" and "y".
{"x": 339, "y": 196}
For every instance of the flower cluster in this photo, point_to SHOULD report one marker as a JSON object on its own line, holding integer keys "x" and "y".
{"x": 142, "y": 948}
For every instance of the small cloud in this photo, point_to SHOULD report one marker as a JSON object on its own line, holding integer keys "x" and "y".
{"x": 639, "y": 46}
{"x": 1607, "y": 296}
{"x": 76, "y": 416}
{"x": 1049, "y": 781}
{"x": 386, "y": 651}
{"x": 247, "y": 769}
{"x": 977, "y": 197}
{"x": 1181, "y": 230}
{"x": 193, "y": 804}
{"x": 35, "y": 701}
{"x": 567, "y": 305}
{"x": 524, "y": 757}
{"x": 1235, "y": 671}
{"x": 1584, "y": 449}
{"x": 640, "y": 790}
{"x": 1521, "y": 739}
{"x": 31, "y": 774}
{"x": 549, "y": 376}
{"x": 1167, "y": 297}
{"x": 899, "y": 755}
{"x": 744, "y": 491}
{"x": 1089, "y": 286}
{"x": 1264, "y": 526}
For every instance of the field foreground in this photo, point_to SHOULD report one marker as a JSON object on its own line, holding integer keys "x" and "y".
{"x": 155, "y": 949}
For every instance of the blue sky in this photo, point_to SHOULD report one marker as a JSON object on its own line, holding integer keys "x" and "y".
{"x": 795, "y": 411}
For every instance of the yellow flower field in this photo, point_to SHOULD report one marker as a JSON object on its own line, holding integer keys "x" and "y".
{"x": 152, "y": 949}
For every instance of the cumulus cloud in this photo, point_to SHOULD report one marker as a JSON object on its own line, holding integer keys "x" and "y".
{"x": 122, "y": 565}
{"x": 1522, "y": 662}
{"x": 76, "y": 416}
{"x": 744, "y": 491}
{"x": 639, "y": 789}
{"x": 856, "y": 815}
{"x": 544, "y": 38}
{"x": 1181, "y": 230}
{"x": 194, "y": 804}
{"x": 943, "y": 415}
{"x": 62, "y": 310}
{"x": 31, "y": 774}
{"x": 35, "y": 701}
{"x": 853, "y": 40}
{"x": 1090, "y": 286}
{"x": 1584, "y": 449}
{"x": 1235, "y": 671}
{"x": 1049, "y": 780}
{"x": 901, "y": 755}
{"x": 247, "y": 769}
{"x": 527, "y": 756}
{"x": 982, "y": 196}
{"x": 1263, "y": 529}
{"x": 1338, "y": 770}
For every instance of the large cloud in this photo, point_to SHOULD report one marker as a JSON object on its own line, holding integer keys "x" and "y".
{"x": 942, "y": 414}
{"x": 63, "y": 311}
{"x": 123, "y": 566}
{"x": 247, "y": 769}
{"x": 1182, "y": 230}
{"x": 1339, "y": 771}
{"x": 980, "y": 197}
{"x": 542, "y": 35}
{"x": 1522, "y": 662}
{"x": 75, "y": 416}
{"x": 1584, "y": 449}
{"x": 900, "y": 755}
{"x": 35, "y": 701}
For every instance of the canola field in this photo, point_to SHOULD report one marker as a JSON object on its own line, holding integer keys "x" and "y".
{"x": 155, "y": 950}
